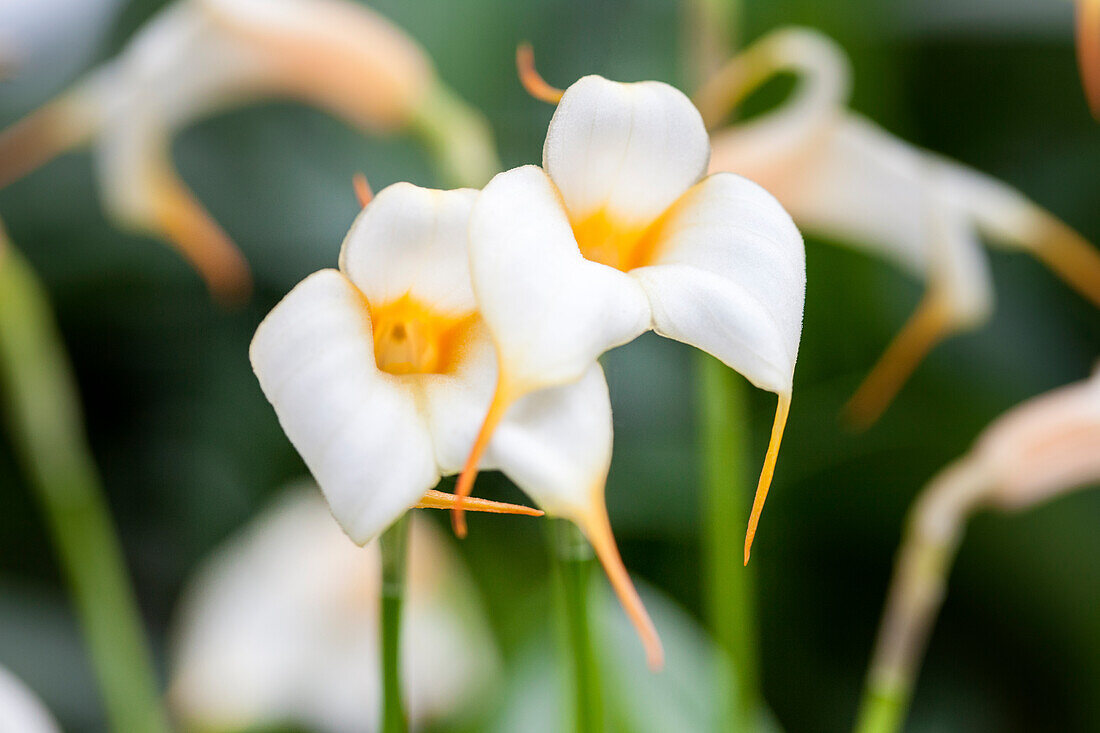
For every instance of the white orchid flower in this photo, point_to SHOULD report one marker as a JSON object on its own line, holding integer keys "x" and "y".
{"x": 199, "y": 56}
{"x": 843, "y": 177}
{"x": 620, "y": 233}
{"x": 381, "y": 372}
{"x": 1044, "y": 448}
{"x": 280, "y": 626}
{"x": 20, "y": 710}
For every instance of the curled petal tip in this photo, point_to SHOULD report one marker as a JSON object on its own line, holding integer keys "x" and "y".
{"x": 530, "y": 78}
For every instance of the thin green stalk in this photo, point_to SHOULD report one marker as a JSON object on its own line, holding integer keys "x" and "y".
{"x": 458, "y": 137}
{"x": 573, "y": 564}
{"x": 728, "y": 585}
{"x": 43, "y": 418}
{"x": 934, "y": 531}
{"x": 394, "y": 542}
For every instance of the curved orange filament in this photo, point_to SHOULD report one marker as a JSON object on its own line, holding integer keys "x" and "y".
{"x": 782, "y": 409}
{"x": 530, "y": 78}
{"x": 503, "y": 398}
{"x": 1070, "y": 256}
{"x": 925, "y": 328}
{"x": 1088, "y": 51}
{"x": 442, "y": 500}
{"x": 597, "y": 528}
{"x": 202, "y": 242}
{"x": 363, "y": 192}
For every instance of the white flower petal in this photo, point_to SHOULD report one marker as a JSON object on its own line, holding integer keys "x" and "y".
{"x": 730, "y": 278}
{"x": 864, "y": 187}
{"x": 357, "y": 428}
{"x": 768, "y": 146}
{"x": 555, "y": 444}
{"x": 1045, "y": 446}
{"x": 630, "y": 149}
{"x": 551, "y": 312}
{"x": 339, "y": 55}
{"x": 414, "y": 241}
{"x": 281, "y": 626}
{"x": 20, "y": 710}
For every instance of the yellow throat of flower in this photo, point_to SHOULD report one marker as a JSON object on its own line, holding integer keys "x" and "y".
{"x": 610, "y": 242}
{"x": 412, "y": 338}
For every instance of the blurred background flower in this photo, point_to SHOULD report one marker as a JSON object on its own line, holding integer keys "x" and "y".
{"x": 280, "y": 627}
{"x": 189, "y": 448}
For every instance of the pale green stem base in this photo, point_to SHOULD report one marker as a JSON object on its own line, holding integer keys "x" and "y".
{"x": 394, "y": 543}
{"x": 934, "y": 530}
{"x": 728, "y": 585}
{"x": 41, "y": 409}
{"x": 573, "y": 564}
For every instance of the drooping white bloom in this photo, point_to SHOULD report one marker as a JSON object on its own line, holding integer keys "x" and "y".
{"x": 20, "y": 710}
{"x": 381, "y": 372}
{"x": 843, "y": 177}
{"x": 1045, "y": 447}
{"x": 198, "y": 56}
{"x": 280, "y": 626}
{"x": 618, "y": 233}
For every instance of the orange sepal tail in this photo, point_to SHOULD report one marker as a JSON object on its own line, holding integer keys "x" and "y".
{"x": 503, "y": 398}
{"x": 597, "y": 528}
{"x": 782, "y": 409}
{"x": 442, "y": 500}
{"x": 925, "y": 328}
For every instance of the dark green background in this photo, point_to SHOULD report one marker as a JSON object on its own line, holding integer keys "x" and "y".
{"x": 189, "y": 449}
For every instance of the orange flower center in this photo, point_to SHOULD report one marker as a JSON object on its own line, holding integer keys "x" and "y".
{"x": 412, "y": 338}
{"x": 623, "y": 246}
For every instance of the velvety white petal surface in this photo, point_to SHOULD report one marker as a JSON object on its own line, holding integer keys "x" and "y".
{"x": 357, "y": 428}
{"x": 730, "y": 279}
{"x": 551, "y": 312}
{"x": 629, "y": 148}
{"x": 555, "y": 444}
{"x": 20, "y": 710}
{"x": 413, "y": 240}
{"x": 281, "y": 626}
{"x": 455, "y": 404}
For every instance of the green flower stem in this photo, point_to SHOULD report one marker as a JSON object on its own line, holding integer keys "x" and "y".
{"x": 573, "y": 564}
{"x": 458, "y": 137}
{"x": 394, "y": 543}
{"x": 728, "y": 584}
{"x": 42, "y": 412}
{"x": 933, "y": 534}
